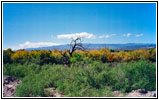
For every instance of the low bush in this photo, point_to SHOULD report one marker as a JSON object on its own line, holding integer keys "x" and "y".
{"x": 16, "y": 70}
{"x": 135, "y": 75}
{"x": 76, "y": 57}
{"x": 88, "y": 79}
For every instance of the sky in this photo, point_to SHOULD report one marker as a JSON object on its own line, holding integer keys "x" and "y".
{"x": 30, "y": 25}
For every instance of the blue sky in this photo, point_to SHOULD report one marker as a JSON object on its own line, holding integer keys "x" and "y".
{"x": 44, "y": 24}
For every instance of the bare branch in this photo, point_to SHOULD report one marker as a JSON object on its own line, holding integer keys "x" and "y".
{"x": 76, "y": 44}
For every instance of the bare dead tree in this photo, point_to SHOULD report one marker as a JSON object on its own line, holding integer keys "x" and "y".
{"x": 76, "y": 44}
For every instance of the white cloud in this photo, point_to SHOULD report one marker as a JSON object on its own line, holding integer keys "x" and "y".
{"x": 127, "y": 35}
{"x": 107, "y": 36}
{"x": 102, "y": 36}
{"x": 28, "y": 44}
{"x": 75, "y": 35}
{"x": 138, "y": 35}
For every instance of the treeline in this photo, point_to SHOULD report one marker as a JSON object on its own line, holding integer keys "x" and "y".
{"x": 62, "y": 57}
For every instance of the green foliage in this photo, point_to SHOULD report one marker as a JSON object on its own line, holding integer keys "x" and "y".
{"x": 33, "y": 84}
{"x": 76, "y": 57}
{"x": 7, "y": 56}
{"x": 83, "y": 78}
{"x": 152, "y": 53}
{"x": 78, "y": 83}
{"x": 90, "y": 73}
{"x": 140, "y": 75}
{"x": 21, "y": 71}
{"x": 14, "y": 70}
{"x": 42, "y": 57}
{"x": 135, "y": 75}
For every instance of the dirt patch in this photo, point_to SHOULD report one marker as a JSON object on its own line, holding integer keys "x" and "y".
{"x": 51, "y": 92}
{"x": 141, "y": 93}
{"x": 135, "y": 93}
{"x": 9, "y": 85}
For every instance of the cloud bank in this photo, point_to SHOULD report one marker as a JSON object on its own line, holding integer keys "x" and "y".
{"x": 75, "y": 35}
{"x": 28, "y": 44}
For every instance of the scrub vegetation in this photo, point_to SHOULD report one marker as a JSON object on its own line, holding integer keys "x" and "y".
{"x": 84, "y": 73}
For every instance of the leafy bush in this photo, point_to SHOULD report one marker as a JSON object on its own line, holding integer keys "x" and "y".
{"x": 14, "y": 70}
{"x": 152, "y": 52}
{"x": 135, "y": 75}
{"x": 141, "y": 75}
{"x": 89, "y": 79}
{"x": 42, "y": 57}
{"x": 7, "y": 56}
{"x": 21, "y": 71}
{"x": 76, "y": 57}
{"x": 33, "y": 84}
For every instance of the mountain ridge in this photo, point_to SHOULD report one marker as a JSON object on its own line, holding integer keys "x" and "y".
{"x": 90, "y": 46}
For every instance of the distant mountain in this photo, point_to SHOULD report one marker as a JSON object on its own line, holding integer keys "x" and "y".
{"x": 128, "y": 46}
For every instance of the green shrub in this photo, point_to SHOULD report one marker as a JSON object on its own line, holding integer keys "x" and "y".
{"x": 83, "y": 78}
{"x": 75, "y": 57}
{"x": 21, "y": 71}
{"x": 33, "y": 84}
{"x": 141, "y": 75}
{"x": 7, "y": 56}
{"x": 135, "y": 75}
{"x": 16, "y": 70}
